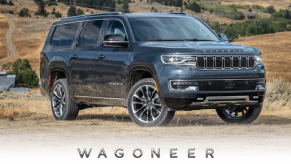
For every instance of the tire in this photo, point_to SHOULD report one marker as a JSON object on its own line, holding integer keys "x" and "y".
{"x": 65, "y": 108}
{"x": 251, "y": 115}
{"x": 144, "y": 108}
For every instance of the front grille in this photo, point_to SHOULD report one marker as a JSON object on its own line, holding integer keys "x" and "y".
{"x": 227, "y": 85}
{"x": 229, "y": 62}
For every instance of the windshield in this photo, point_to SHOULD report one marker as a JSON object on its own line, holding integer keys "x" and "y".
{"x": 170, "y": 29}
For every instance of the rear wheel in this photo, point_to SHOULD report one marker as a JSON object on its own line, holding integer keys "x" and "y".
{"x": 63, "y": 107}
{"x": 144, "y": 106}
{"x": 239, "y": 115}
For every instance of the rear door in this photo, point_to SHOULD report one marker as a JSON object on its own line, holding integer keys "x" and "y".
{"x": 83, "y": 72}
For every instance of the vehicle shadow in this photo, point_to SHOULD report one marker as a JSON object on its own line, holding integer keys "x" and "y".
{"x": 191, "y": 120}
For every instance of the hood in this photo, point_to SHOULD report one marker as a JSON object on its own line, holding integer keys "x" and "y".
{"x": 203, "y": 47}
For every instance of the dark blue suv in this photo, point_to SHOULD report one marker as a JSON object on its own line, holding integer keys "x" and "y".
{"x": 153, "y": 64}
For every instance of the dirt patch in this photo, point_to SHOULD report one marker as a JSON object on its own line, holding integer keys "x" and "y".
{"x": 4, "y": 26}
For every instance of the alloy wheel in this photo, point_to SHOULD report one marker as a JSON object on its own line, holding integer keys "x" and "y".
{"x": 235, "y": 113}
{"x": 59, "y": 100}
{"x": 146, "y": 104}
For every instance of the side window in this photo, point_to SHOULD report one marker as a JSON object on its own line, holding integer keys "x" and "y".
{"x": 89, "y": 35}
{"x": 116, "y": 27}
{"x": 64, "y": 35}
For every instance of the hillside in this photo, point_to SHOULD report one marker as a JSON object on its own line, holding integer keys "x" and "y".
{"x": 30, "y": 33}
{"x": 276, "y": 53}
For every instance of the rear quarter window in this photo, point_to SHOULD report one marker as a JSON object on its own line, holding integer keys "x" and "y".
{"x": 64, "y": 35}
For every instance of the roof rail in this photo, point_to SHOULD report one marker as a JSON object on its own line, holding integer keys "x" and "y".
{"x": 179, "y": 13}
{"x": 90, "y": 15}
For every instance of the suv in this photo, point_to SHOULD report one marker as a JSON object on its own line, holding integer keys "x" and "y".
{"x": 153, "y": 64}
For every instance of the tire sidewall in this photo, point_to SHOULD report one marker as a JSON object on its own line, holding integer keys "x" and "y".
{"x": 251, "y": 116}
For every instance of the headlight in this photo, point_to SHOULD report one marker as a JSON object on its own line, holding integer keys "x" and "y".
{"x": 258, "y": 59}
{"x": 179, "y": 59}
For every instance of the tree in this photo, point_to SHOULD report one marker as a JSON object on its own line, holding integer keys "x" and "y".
{"x": 231, "y": 33}
{"x": 125, "y": 6}
{"x": 54, "y": 11}
{"x": 41, "y": 8}
{"x": 112, "y": 5}
{"x": 11, "y": 3}
{"x": 270, "y": 9}
{"x": 250, "y": 10}
{"x": 72, "y": 11}
{"x": 194, "y": 7}
{"x": 3, "y": 2}
{"x": 185, "y": 3}
{"x": 25, "y": 76}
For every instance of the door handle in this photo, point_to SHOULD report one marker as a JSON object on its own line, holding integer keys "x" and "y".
{"x": 75, "y": 56}
{"x": 101, "y": 56}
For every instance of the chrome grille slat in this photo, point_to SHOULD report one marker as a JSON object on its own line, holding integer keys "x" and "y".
{"x": 224, "y": 62}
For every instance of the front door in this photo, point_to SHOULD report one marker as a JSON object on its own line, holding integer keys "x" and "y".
{"x": 114, "y": 63}
{"x": 82, "y": 66}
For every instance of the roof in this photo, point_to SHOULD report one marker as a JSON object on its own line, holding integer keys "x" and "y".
{"x": 138, "y": 15}
{"x": 251, "y": 14}
{"x": 130, "y": 15}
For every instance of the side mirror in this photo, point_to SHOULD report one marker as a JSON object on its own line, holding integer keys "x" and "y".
{"x": 115, "y": 40}
{"x": 223, "y": 37}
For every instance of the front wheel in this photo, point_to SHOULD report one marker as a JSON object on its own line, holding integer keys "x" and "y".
{"x": 144, "y": 106}
{"x": 239, "y": 115}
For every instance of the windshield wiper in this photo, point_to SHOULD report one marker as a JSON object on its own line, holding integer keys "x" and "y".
{"x": 198, "y": 40}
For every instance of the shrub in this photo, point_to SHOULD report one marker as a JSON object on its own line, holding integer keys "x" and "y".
{"x": 231, "y": 33}
{"x": 288, "y": 28}
{"x": 281, "y": 26}
{"x": 51, "y": 3}
{"x": 10, "y": 12}
{"x": 25, "y": 76}
{"x": 24, "y": 13}
{"x": 80, "y": 12}
{"x": 58, "y": 15}
{"x": 250, "y": 10}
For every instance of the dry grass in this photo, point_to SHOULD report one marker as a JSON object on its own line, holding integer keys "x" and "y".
{"x": 276, "y": 53}
{"x": 3, "y": 29}
{"x": 17, "y": 106}
{"x": 278, "y": 4}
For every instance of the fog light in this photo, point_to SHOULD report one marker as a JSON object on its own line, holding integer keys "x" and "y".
{"x": 192, "y": 88}
{"x": 262, "y": 82}
{"x": 260, "y": 88}
{"x": 184, "y": 85}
